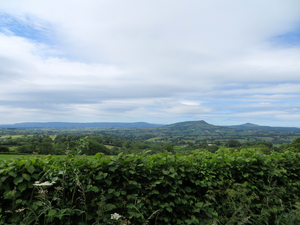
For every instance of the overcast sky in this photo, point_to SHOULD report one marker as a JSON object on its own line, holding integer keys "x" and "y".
{"x": 159, "y": 61}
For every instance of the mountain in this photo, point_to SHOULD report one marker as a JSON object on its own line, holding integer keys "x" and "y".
{"x": 194, "y": 128}
{"x": 81, "y": 125}
{"x": 182, "y": 128}
{"x": 251, "y": 126}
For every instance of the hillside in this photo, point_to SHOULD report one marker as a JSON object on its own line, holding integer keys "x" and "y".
{"x": 251, "y": 126}
{"x": 81, "y": 125}
{"x": 201, "y": 128}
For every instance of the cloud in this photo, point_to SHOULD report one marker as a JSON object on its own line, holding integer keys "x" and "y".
{"x": 164, "y": 60}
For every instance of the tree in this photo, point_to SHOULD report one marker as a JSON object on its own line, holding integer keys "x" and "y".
{"x": 218, "y": 143}
{"x": 4, "y": 149}
{"x": 95, "y": 147}
{"x": 29, "y": 148}
{"x": 233, "y": 143}
{"x": 212, "y": 148}
{"x": 45, "y": 148}
{"x": 296, "y": 141}
{"x": 169, "y": 147}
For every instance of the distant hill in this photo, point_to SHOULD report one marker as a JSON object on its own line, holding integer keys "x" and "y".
{"x": 194, "y": 128}
{"x": 80, "y": 125}
{"x": 204, "y": 129}
{"x": 251, "y": 126}
{"x": 182, "y": 128}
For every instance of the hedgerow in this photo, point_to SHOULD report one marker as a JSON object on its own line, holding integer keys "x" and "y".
{"x": 202, "y": 188}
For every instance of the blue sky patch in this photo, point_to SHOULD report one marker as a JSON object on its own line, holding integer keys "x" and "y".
{"x": 26, "y": 28}
{"x": 288, "y": 39}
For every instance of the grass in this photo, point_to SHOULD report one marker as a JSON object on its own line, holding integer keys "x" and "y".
{"x": 8, "y": 157}
{"x": 15, "y": 136}
{"x": 111, "y": 146}
{"x": 13, "y": 148}
{"x": 52, "y": 136}
{"x": 155, "y": 138}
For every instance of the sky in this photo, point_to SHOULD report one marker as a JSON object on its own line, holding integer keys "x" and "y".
{"x": 157, "y": 61}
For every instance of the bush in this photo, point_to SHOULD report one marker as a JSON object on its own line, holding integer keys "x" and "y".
{"x": 202, "y": 188}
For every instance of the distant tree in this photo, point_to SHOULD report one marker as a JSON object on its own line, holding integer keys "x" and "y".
{"x": 212, "y": 148}
{"x": 169, "y": 147}
{"x": 218, "y": 143}
{"x": 95, "y": 147}
{"x": 233, "y": 143}
{"x": 296, "y": 141}
{"x": 127, "y": 144}
{"x": 4, "y": 149}
{"x": 45, "y": 148}
{"x": 264, "y": 144}
{"x": 29, "y": 148}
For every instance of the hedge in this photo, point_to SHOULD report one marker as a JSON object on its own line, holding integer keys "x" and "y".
{"x": 202, "y": 188}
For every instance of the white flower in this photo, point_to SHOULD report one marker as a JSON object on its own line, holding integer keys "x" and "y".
{"x": 46, "y": 183}
{"x": 20, "y": 210}
{"x": 115, "y": 216}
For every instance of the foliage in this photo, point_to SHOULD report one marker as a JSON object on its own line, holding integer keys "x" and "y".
{"x": 233, "y": 143}
{"x": 202, "y": 188}
{"x": 4, "y": 149}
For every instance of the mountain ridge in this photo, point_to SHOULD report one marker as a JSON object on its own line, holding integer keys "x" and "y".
{"x": 81, "y": 125}
{"x": 180, "y": 126}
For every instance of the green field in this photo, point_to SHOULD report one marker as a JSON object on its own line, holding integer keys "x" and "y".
{"x": 15, "y": 136}
{"x": 8, "y": 157}
{"x": 111, "y": 146}
{"x": 155, "y": 138}
{"x": 52, "y": 136}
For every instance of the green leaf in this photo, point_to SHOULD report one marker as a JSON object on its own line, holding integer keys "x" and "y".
{"x": 110, "y": 191}
{"x": 3, "y": 178}
{"x": 110, "y": 207}
{"x": 133, "y": 182}
{"x": 13, "y": 174}
{"x": 130, "y": 205}
{"x": 9, "y": 194}
{"x": 26, "y": 176}
{"x": 214, "y": 213}
{"x": 39, "y": 203}
{"x": 35, "y": 176}
{"x": 188, "y": 189}
{"x": 18, "y": 180}
{"x": 172, "y": 175}
{"x": 98, "y": 155}
{"x": 22, "y": 186}
{"x": 113, "y": 168}
{"x": 30, "y": 169}
{"x": 117, "y": 193}
{"x": 155, "y": 192}
{"x": 95, "y": 189}
{"x": 169, "y": 209}
{"x": 199, "y": 204}
{"x": 108, "y": 181}
{"x": 52, "y": 212}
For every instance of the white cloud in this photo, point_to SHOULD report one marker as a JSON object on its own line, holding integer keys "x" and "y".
{"x": 115, "y": 59}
